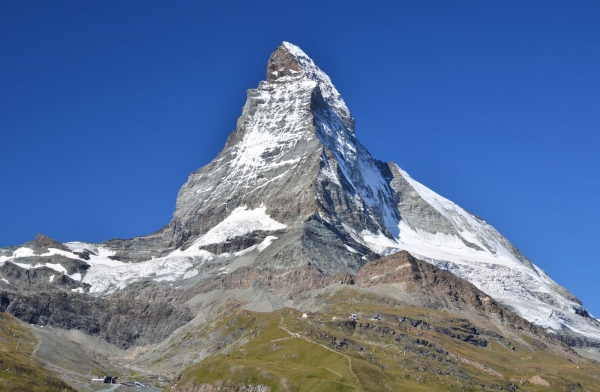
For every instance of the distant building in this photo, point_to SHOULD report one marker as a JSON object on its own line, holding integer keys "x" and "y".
{"x": 308, "y": 315}
{"x": 105, "y": 380}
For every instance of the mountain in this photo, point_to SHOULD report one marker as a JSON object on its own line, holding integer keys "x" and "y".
{"x": 292, "y": 205}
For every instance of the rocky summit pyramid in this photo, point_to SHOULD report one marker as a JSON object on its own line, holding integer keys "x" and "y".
{"x": 292, "y": 203}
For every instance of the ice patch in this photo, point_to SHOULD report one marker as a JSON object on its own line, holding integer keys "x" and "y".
{"x": 75, "y": 276}
{"x": 190, "y": 274}
{"x": 106, "y": 279}
{"x": 351, "y": 249}
{"x": 55, "y": 266}
{"x": 379, "y": 243}
{"x": 98, "y": 255}
{"x": 266, "y": 242}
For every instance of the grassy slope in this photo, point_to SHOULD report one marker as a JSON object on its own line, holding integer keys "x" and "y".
{"x": 19, "y": 371}
{"x": 287, "y": 353}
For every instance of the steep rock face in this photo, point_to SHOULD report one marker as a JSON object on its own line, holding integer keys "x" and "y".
{"x": 43, "y": 243}
{"x": 37, "y": 279}
{"x": 294, "y": 151}
{"x": 120, "y": 319}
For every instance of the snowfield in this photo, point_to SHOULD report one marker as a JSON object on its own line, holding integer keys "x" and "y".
{"x": 492, "y": 268}
{"x": 106, "y": 276}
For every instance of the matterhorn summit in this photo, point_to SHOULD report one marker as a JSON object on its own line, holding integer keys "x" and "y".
{"x": 294, "y": 196}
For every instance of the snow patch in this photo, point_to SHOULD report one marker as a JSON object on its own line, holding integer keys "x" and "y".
{"x": 241, "y": 221}
{"x": 75, "y": 276}
{"x": 106, "y": 279}
{"x": 351, "y": 249}
{"x": 380, "y": 243}
{"x": 99, "y": 255}
{"x": 266, "y": 242}
{"x": 190, "y": 274}
{"x": 55, "y": 266}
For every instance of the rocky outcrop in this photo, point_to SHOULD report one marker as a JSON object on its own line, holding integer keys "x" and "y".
{"x": 577, "y": 341}
{"x": 42, "y": 243}
{"x": 38, "y": 279}
{"x": 73, "y": 266}
{"x": 286, "y": 283}
{"x": 118, "y": 319}
{"x": 283, "y": 63}
{"x": 442, "y": 288}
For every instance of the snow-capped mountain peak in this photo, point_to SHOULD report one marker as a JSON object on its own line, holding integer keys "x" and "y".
{"x": 293, "y": 187}
{"x": 289, "y": 63}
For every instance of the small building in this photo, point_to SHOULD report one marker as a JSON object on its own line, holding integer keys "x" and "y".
{"x": 105, "y": 380}
{"x": 308, "y": 315}
{"x": 353, "y": 317}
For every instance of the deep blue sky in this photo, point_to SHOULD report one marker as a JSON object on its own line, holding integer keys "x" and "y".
{"x": 107, "y": 106}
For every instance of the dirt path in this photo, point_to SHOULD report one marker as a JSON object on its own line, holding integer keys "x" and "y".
{"x": 39, "y": 339}
{"x": 297, "y": 335}
{"x": 111, "y": 388}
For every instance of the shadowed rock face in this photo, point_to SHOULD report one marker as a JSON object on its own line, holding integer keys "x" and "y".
{"x": 44, "y": 296}
{"x": 120, "y": 319}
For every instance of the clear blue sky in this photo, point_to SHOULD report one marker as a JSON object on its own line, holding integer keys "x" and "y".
{"x": 107, "y": 106}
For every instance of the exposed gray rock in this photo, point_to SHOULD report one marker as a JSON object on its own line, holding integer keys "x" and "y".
{"x": 120, "y": 319}
{"x": 42, "y": 243}
{"x": 71, "y": 265}
{"x": 37, "y": 279}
